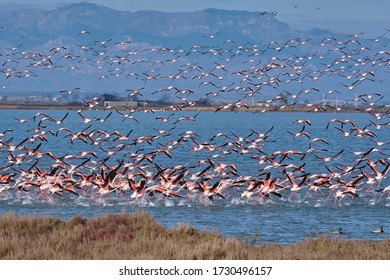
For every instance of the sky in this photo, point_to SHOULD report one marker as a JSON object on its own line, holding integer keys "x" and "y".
{"x": 347, "y": 16}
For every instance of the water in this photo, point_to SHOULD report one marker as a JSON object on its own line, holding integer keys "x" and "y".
{"x": 282, "y": 220}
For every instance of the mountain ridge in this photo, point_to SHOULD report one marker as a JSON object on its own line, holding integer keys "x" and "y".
{"x": 84, "y": 43}
{"x": 68, "y": 20}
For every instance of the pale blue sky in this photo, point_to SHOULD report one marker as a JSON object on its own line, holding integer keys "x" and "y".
{"x": 349, "y": 16}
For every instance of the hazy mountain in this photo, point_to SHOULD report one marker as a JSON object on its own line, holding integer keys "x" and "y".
{"x": 35, "y": 26}
{"x": 29, "y": 38}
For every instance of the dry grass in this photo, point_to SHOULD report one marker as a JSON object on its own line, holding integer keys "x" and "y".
{"x": 139, "y": 236}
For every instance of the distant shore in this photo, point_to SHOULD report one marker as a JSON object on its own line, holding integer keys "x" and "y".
{"x": 139, "y": 236}
{"x": 254, "y": 109}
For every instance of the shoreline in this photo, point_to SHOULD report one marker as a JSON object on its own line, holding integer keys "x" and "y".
{"x": 139, "y": 236}
{"x": 191, "y": 109}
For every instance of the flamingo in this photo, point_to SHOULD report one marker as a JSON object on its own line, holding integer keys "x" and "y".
{"x": 300, "y": 133}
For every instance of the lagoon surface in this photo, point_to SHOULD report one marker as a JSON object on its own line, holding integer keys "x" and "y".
{"x": 285, "y": 219}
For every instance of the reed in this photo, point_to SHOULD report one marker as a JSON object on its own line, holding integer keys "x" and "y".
{"x": 139, "y": 236}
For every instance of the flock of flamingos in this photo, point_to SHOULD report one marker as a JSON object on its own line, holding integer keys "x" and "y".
{"x": 100, "y": 157}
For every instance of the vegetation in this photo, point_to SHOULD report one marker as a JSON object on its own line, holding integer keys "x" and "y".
{"x": 139, "y": 236}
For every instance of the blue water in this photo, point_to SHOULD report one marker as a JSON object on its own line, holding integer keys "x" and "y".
{"x": 282, "y": 220}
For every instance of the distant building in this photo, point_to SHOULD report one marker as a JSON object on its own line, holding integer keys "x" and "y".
{"x": 263, "y": 104}
{"x": 120, "y": 103}
{"x": 116, "y": 101}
